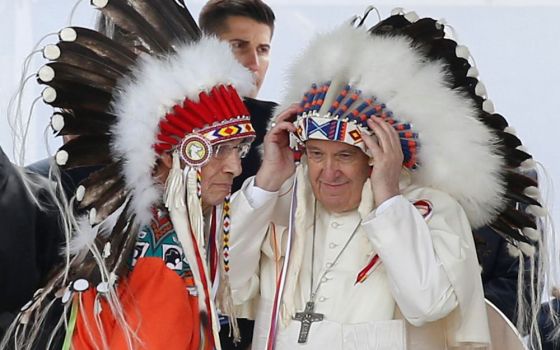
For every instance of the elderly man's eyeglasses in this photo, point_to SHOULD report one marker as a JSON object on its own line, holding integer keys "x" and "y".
{"x": 224, "y": 150}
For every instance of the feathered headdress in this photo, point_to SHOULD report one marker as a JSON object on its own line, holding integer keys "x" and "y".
{"x": 164, "y": 89}
{"x": 407, "y": 72}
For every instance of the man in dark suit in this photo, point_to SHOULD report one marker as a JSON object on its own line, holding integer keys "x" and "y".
{"x": 248, "y": 26}
{"x": 29, "y": 239}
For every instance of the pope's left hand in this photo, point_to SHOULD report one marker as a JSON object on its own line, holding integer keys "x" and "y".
{"x": 387, "y": 159}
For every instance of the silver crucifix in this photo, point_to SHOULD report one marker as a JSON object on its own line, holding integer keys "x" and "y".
{"x": 306, "y": 318}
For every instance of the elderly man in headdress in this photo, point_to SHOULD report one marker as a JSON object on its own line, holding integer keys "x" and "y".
{"x": 144, "y": 266}
{"x": 365, "y": 242}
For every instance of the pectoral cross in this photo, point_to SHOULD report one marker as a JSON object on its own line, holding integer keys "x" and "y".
{"x": 306, "y": 318}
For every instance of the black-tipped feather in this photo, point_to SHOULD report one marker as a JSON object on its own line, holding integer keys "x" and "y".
{"x": 75, "y": 77}
{"x": 389, "y": 25}
{"x": 74, "y": 54}
{"x": 497, "y": 229}
{"x": 164, "y": 17}
{"x": 84, "y": 122}
{"x": 104, "y": 47}
{"x": 518, "y": 218}
{"x": 126, "y": 245}
{"x": 111, "y": 200}
{"x": 504, "y": 227}
{"x": 127, "y": 17}
{"x": 508, "y": 140}
{"x": 459, "y": 68}
{"x": 186, "y": 20}
{"x": 424, "y": 31}
{"x": 118, "y": 236}
{"x": 495, "y": 121}
{"x": 521, "y": 198}
{"x": 514, "y": 157}
{"x": 83, "y": 97}
{"x": 87, "y": 151}
{"x": 519, "y": 182}
{"x": 516, "y": 184}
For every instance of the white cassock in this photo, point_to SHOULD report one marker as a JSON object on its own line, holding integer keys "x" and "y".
{"x": 424, "y": 293}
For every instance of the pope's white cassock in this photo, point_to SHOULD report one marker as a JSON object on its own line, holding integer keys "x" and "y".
{"x": 424, "y": 292}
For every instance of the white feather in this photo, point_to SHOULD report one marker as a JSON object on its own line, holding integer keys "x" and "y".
{"x": 85, "y": 234}
{"x": 83, "y": 237}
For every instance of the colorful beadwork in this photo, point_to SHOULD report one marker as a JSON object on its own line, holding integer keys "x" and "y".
{"x": 226, "y": 229}
{"x": 346, "y": 119}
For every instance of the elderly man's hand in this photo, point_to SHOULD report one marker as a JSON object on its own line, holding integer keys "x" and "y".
{"x": 278, "y": 160}
{"x": 387, "y": 159}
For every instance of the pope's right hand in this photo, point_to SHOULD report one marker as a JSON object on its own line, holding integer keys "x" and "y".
{"x": 278, "y": 160}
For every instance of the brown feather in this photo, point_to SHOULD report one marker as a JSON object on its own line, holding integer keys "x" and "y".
{"x": 98, "y": 183}
{"x": 104, "y": 47}
{"x": 73, "y": 96}
{"x": 76, "y": 55}
{"x": 110, "y": 201}
{"x": 75, "y": 77}
{"x": 126, "y": 17}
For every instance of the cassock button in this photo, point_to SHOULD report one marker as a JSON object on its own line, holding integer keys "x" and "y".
{"x": 328, "y": 265}
{"x": 335, "y": 224}
{"x": 324, "y": 279}
{"x": 332, "y": 245}
{"x": 322, "y": 299}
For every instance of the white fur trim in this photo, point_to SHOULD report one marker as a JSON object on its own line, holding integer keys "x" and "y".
{"x": 157, "y": 84}
{"x": 452, "y": 139}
